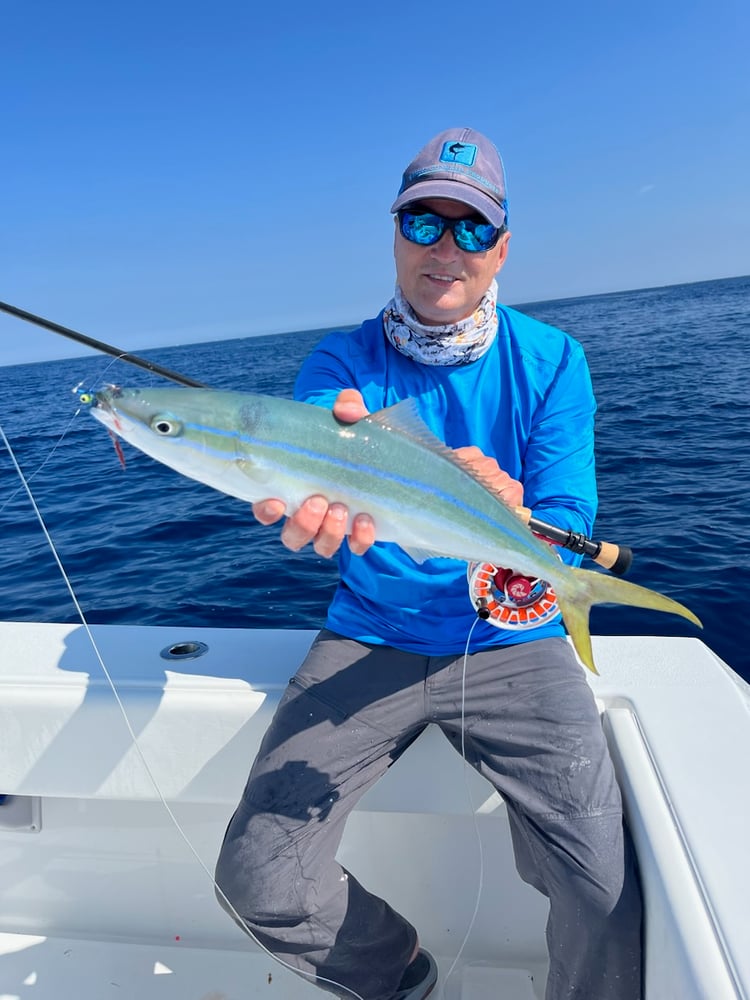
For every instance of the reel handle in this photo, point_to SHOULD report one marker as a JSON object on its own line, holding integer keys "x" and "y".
{"x": 616, "y": 558}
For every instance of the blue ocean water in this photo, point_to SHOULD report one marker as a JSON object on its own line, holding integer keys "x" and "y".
{"x": 143, "y": 545}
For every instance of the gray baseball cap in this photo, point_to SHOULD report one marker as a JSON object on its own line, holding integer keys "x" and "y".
{"x": 460, "y": 164}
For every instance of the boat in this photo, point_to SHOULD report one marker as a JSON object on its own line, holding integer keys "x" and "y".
{"x": 109, "y": 831}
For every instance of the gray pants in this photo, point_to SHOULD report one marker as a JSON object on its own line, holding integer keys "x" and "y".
{"x": 531, "y": 728}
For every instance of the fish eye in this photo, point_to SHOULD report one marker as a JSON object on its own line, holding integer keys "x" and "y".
{"x": 85, "y": 398}
{"x": 166, "y": 426}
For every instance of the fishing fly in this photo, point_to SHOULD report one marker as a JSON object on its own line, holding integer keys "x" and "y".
{"x": 88, "y": 399}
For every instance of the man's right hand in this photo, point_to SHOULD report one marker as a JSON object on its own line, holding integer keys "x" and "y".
{"x": 316, "y": 521}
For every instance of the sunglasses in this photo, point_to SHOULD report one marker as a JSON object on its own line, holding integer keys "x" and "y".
{"x": 473, "y": 234}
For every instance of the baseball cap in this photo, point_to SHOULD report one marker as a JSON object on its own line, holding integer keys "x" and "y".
{"x": 460, "y": 164}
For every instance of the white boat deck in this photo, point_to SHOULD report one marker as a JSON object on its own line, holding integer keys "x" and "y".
{"x": 101, "y": 897}
{"x": 60, "y": 968}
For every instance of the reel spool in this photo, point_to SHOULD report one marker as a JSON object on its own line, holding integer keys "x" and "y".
{"x": 508, "y": 599}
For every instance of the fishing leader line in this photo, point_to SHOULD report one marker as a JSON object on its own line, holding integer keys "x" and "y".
{"x": 19, "y": 489}
{"x": 117, "y": 355}
{"x": 121, "y": 355}
{"x": 139, "y": 750}
{"x": 157, "y": 788}
{"x": 167, "y": 808}
{"x": 75, "y": 390}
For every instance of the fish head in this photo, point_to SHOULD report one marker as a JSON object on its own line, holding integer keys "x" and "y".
{"x": 205, "y": 434}
{"x": 141, "y": 417}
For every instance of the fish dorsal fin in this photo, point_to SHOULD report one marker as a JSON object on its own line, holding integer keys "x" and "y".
{"x": 404, "y": 418}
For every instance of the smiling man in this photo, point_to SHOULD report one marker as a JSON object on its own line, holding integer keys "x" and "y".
{"x": 513, "y": 399}
{"x": 445, "y": 284}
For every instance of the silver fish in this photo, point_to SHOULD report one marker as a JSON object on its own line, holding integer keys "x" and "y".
{"x": 389, "y": 464}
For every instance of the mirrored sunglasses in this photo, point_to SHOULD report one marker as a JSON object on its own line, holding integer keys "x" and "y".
{"x": 473, "y": 234}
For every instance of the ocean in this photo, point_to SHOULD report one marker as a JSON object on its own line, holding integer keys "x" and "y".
{"x": 142, "y": 545}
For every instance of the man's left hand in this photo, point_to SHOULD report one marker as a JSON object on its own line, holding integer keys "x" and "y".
{"x": 510, "y": 491}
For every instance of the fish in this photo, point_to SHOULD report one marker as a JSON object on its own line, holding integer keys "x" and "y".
{"x": 389, "y": 464}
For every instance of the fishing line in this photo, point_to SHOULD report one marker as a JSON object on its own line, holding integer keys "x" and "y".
{"x": 167, "y": 808}
{"x": 19, "y": 489}
{"x": 139, "y": 750}
{"x": 480, "y": 848}
{"x": 615, "y": 558}
{"x": 160, "y": 795}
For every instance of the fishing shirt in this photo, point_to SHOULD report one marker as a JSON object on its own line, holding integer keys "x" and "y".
{"x": 528, "y": 402}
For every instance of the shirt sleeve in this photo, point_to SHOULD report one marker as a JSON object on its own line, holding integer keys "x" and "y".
{"x": 324, "y": 373}
{"x": 559, "y": 472}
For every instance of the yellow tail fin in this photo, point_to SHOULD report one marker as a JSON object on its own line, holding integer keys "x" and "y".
{"x": 585, "y": 587}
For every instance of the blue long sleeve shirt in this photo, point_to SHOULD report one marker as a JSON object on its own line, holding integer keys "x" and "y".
{"x": 527, "y": 402}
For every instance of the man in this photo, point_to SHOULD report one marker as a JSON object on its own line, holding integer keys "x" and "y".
{"x": 513, "y": 398}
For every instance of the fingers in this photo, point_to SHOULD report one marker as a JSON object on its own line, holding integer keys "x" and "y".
{"x": 269, "y": 511}
{"x": 323, "y": 525}
{"x": 510, "y": 491}
{"x": 470, "y": 452}
{"x": 349, "y": 406}
{"x": 363, "y": 534}
{"x": 315, "y": 521}
{"x": 314, "y": 518}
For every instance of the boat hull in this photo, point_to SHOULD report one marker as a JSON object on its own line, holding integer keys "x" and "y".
{"x": 101, "y": 895}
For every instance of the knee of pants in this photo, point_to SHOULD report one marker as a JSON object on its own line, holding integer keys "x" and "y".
{"x": 584, "y": 862}
{"x": 263, "y": 885}
{"x": 600, "y": 872}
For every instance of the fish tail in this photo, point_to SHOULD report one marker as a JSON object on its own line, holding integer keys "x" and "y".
{"x": 587, "y": 587}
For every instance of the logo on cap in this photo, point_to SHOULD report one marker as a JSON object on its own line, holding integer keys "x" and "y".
{"x": 458, "y": 152}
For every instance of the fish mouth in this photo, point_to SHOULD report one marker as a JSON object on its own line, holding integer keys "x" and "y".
{"x": 106, "y": 412}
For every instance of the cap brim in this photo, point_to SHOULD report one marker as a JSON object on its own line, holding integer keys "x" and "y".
{"x": 454, "y": 191}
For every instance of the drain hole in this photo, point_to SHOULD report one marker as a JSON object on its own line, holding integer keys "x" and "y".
{"x": 184, "y": 650}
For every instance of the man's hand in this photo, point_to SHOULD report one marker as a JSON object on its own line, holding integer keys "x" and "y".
{"x": 325, "y": 525}
{"x": 316, "y": 521}
{"x": 510, "y": 491}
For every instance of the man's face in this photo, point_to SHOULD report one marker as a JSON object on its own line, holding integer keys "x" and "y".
{"x": 442, "y": 283}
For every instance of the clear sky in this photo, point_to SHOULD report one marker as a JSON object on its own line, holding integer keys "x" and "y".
{"x": 182, "y": 171}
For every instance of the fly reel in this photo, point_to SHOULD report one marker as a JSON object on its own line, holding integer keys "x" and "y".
{"x": 510, "y": 600}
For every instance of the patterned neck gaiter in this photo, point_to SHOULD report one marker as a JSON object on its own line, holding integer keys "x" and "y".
{"x": 454, "y": 344}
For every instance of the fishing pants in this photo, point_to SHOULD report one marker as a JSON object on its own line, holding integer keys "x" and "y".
{"x": 531, "y": 727}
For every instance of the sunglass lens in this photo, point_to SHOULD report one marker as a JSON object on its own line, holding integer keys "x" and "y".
{"x": 475, "y": 236}
{"x": 424, "y": 228}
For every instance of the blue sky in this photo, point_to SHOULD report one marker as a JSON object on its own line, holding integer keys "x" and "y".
{"x": 174, "y": 172}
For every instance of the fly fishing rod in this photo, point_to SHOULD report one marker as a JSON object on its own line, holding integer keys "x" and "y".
{"x": 99, "y": 345}
{"x": 616, "y": 558}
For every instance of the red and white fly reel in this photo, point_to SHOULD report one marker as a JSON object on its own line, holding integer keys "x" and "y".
{"x": 510, "y": 600}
